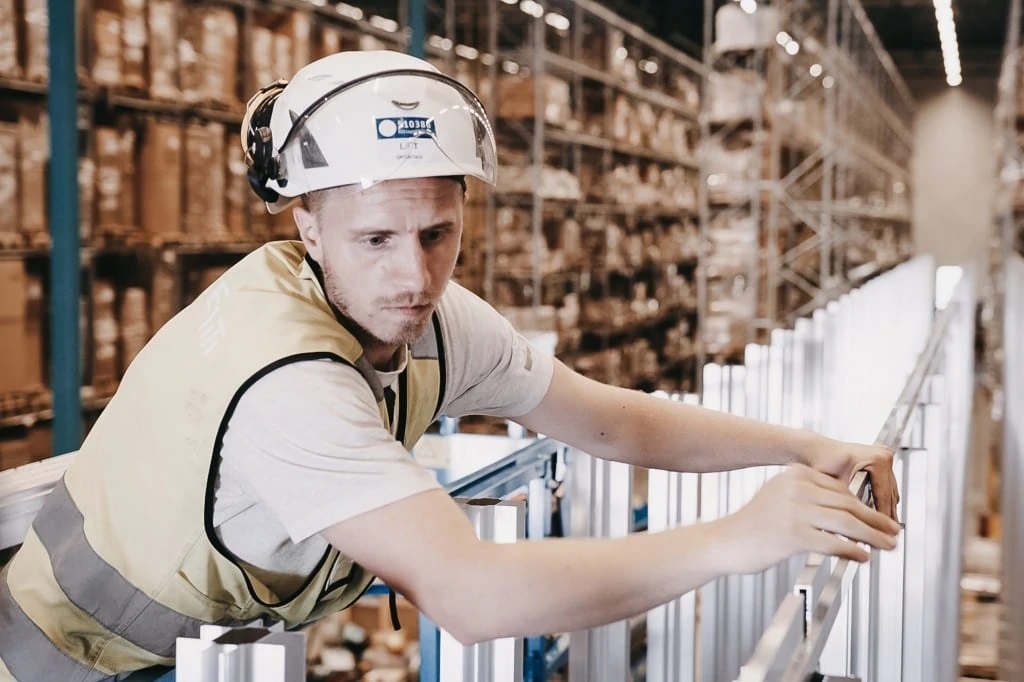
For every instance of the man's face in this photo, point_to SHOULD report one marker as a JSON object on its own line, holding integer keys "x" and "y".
{"x": 387, "y": 253}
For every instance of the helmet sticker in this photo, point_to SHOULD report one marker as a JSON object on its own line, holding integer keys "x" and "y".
{"x": 405, "y": 127}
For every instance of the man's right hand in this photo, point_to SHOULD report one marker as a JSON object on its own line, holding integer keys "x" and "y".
{"x": 802, "y": 510}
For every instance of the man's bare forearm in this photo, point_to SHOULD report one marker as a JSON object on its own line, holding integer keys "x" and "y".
{"x": 637, "y": 428}
{"x": 566, "y": 584}
{"x": 670, "y": 435}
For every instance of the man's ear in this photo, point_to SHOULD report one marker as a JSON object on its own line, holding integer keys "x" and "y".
{"x": 309, "y": 232}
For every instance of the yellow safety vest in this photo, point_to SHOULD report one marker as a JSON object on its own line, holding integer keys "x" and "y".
{"x": 123, "y": 557}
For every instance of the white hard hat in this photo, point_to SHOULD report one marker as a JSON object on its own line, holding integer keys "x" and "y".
{"x": 363, "y": 117}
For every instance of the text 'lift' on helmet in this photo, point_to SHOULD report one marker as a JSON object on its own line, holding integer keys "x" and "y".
{"x": 359, "y": 118}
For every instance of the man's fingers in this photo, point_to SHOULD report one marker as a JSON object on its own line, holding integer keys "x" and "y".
{"x": 849, "y": 525}
{"x": 846, "y": 502}
{"x": 833, "y": 545}
{"x": 828, "y": 482}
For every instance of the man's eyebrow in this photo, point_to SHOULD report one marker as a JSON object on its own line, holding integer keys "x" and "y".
{"x": 387, "y": 231}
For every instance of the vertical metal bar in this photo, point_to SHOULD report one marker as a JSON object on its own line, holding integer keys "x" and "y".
{"x": 430, "y": 650}
{"x": 65, "y": 264}
{"x": 827, "y": 228}
{"x": 886, "y": 662}
{"x": 916, "y": 567}
{"x": 1012, "y": 460}
{"x": 538, "y": 30}
{"x": 600, "y": 494}
{"x": 417, "y": 28}
{"x": 493, "y": 7}
{"x": 710, "y": 505}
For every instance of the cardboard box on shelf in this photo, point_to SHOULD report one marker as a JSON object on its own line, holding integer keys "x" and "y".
{"x": 163, "y": 49}
{"x": 106, "y": 67}
{"x": 105, "y": 334}
{"x": 134, "y": 316}
{"x": 129, "y": 215}
{"x": 37, "y": 45}
{"x": 32, "y": 159}
{"x": 300, "y": 30}
{"x": 40, "y": 441}
{"x": 9, "y": 64}
{"x": 208, "y": 53}
{"x": 13, "y": 322}
{"x": 134, "y": 37}
{"x": 262, "y": 43}
{"x": 86, "y": 197}
{"x": 516, "y": 99}
{"x": 205, "y": 173}
{"x": 330, "y": 41}
{"x": 33, "y": 375}
{"x": 282, "y": 55}
{"x": 15, "y": 452}
{"x": 110, "y": 179}
{"x": 10, "y": 226}
{"x": 236, "y": 190}
{"x": 160, "y": 174}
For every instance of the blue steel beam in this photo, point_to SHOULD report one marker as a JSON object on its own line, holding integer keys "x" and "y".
{"x": 65, "y": 273}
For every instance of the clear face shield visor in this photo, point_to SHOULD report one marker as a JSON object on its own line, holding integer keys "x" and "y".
{"x": 394, "y": 125}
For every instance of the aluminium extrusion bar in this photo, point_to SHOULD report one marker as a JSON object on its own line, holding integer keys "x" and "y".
{"x": 776, "y": 643}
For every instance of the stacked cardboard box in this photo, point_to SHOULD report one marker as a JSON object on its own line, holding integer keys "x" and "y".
{"x": 236, "y": 191}
{"x": 37, "y": 46}
{"x": 208, "y": 54}
{"x": 10, "y": 225}
{"x": 10, "y": 66}
{"x": 106, "y": 67}
{"x": 33, "y": 157}
{"x": 134, "y": 37}
{"x": 205, "y": 179}
{"x": 134, "y": 316}
{"x": 105, "y": 335}
{"x": 21, "y": 314}
{"x": 115, "y": 187}
{"x": 86, "y": 197}
{"x": 15, "y": 452}
{"x": 159, "y": 178}
{"x": 163, "y": 49}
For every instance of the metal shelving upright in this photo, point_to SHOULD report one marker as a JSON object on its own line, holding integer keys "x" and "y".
{"x": 805, "y": 164}
{"x": 582, "y": 174}
{"x": 1001, "y": 348}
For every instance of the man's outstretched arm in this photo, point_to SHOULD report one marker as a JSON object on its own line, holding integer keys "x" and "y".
{"x": 637, "y": 428}
{"x": 426, "y": 549}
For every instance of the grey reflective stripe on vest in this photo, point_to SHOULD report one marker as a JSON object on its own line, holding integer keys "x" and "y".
{"x": 28, "y": 653}
{"x": 98, "y": 588}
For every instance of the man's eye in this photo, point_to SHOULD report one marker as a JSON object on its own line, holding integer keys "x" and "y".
{"x": 377, "y": 240}
{"x": 433, "y": 235}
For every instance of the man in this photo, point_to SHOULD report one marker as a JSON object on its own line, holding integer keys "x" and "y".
{"x": 254, "y": 464}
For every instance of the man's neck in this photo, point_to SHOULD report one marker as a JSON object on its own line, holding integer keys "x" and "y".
{"x": 384, "y": 358}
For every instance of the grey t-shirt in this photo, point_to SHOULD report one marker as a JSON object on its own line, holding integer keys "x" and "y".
{"x": 305, "y": 448}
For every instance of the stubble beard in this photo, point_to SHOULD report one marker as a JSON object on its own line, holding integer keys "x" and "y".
{"x": 405, "y": 334}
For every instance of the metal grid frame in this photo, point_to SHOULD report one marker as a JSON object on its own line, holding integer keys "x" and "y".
{"x": 814, "y": 186}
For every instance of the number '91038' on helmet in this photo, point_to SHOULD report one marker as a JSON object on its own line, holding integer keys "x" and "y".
{"x": 359, "y": 118}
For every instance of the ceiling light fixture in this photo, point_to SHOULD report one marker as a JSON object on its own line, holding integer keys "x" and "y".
{"x": 946, "y": 25}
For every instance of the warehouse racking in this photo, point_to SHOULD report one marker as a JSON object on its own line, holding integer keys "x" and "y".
{"x": 164, "y": 204}
{"x": 806, "y": 149}
{"x": 594, "y": 227}
{"x": 596, "y": 212}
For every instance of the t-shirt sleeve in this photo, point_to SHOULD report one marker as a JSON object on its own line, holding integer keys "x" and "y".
{"x": 492, "y": 368}
{"x": 308, "y": 441}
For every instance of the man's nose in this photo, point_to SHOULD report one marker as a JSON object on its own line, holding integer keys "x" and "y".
{"x": 413, "y": 268}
